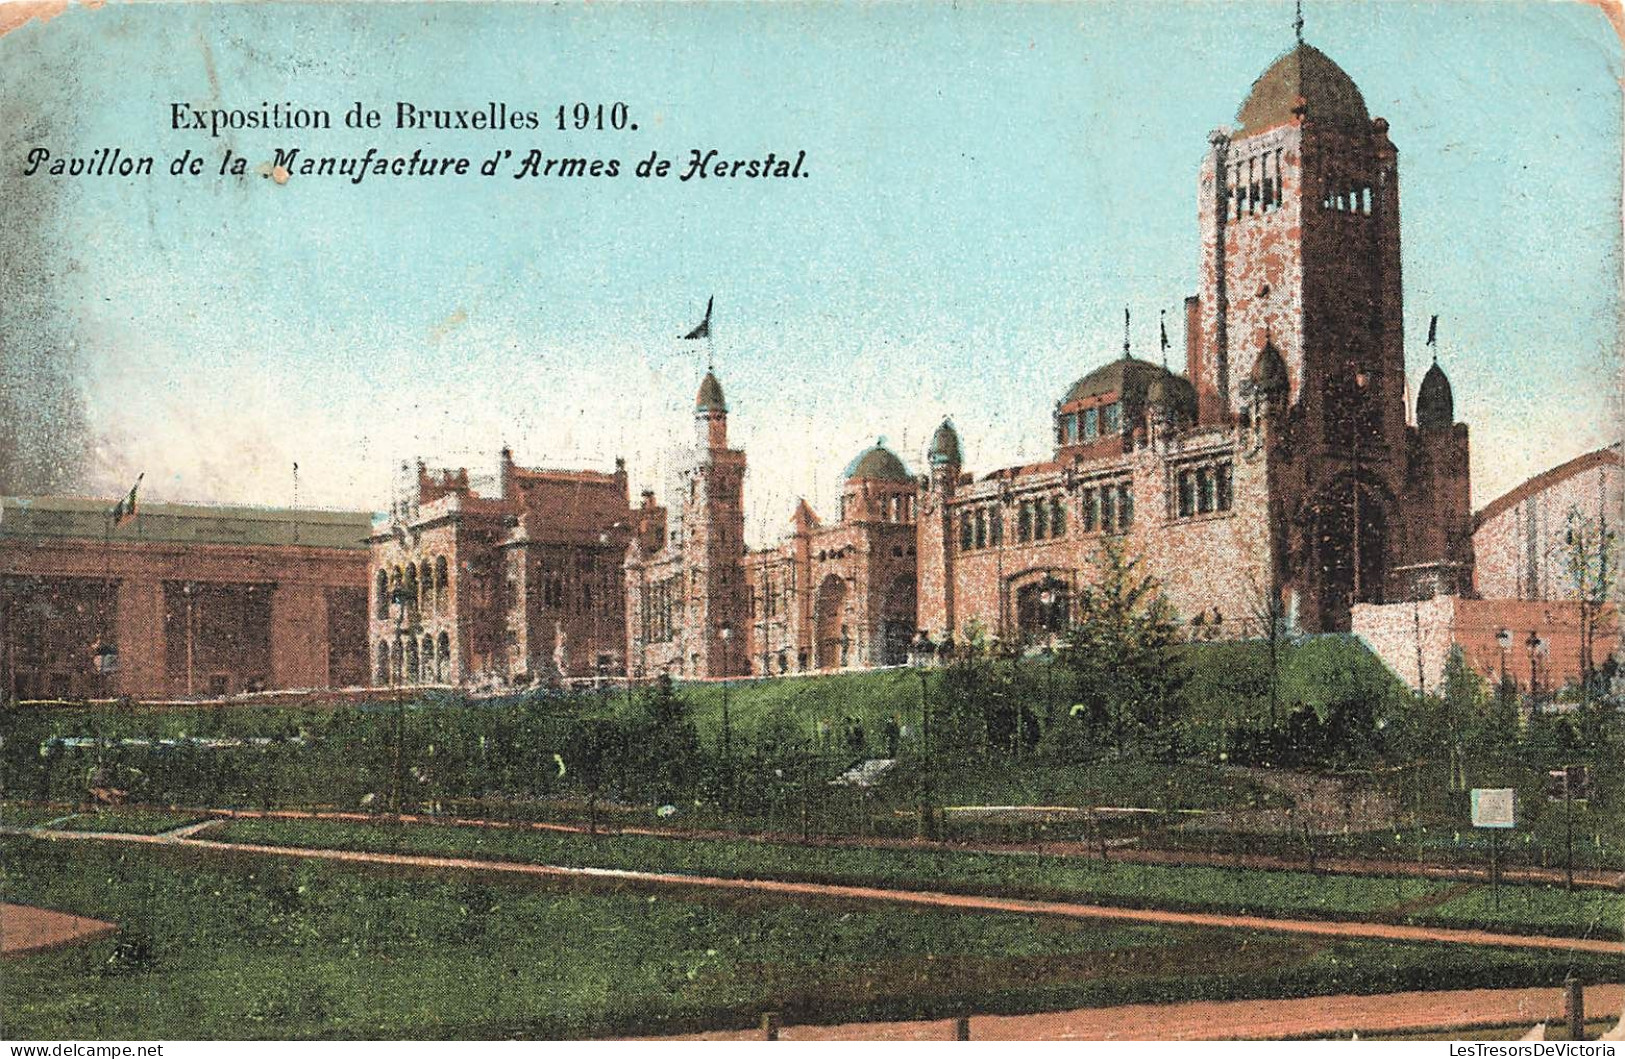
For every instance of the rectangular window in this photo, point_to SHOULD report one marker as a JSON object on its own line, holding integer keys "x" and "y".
{"x": 1125, "y": 506}
{"x": 996, "y": 530}
{"x": 1091, "y": 511}
{"x": 1108, "y": 509}
{"x": 1222, "y": 483}
{"x": 1187, "y": 494}
{"x": 1070, "y": 428}
{"x": 1091, "y": 424}
{"x": 1024, "y": 522}
{"x": 1057, "y": 518}
{"x": 1204, "y": 491}
{"x": 967, "y": 532}
{"x": 981, "y": 528}
{"x": 1110, "y": 417}
{"x": 1040, "y": 520}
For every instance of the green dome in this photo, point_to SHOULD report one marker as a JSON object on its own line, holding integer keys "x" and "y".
{"x": 710, "y": 398}
{"x": 878, "y": 464}
{"x": 1329, "y": 95}
{"x": 1174, "y": 395}
{"x": 945, "y": 445}
{"x": 1125, "y": 376}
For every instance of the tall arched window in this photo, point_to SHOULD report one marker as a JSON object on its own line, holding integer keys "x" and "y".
{"x": 383, "y": 594}
{"x": 440, "y": 573}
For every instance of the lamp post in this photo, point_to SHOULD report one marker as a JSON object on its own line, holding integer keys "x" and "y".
{"x": 1503, "y": 640}
{"x": 920, "y": 659}
{"x": 189, "y": 590}
{"x": 1356, "y": 423}
{"x": 725, "y": 633}
{"x": 397, "y": 600}
{"x": 1537, "y": 648}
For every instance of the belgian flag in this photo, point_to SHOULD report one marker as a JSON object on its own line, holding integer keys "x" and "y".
{"x": 124, "y": 510}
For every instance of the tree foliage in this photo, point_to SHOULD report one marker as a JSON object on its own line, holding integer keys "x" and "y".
{"x": 1121, "y": 651}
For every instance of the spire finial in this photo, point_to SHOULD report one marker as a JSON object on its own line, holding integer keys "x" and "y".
{"x": 1297, "y": 23}
{"x": 1125, "y": 333}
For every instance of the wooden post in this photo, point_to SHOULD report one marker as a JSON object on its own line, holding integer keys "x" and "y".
{"x": 1574, "y": 1007}
{"x": 962, "y": 1028}
{"x": 770, "y": 1025}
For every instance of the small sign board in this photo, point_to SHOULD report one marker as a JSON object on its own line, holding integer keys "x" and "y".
{"x": 1495, "y": 807}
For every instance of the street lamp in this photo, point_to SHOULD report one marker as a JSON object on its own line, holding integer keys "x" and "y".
{"x": 1537, "y": 650}
{"x": 726, "y": 633}
{"x": 1503, "y": 640}
{"x": 920, "y": 658}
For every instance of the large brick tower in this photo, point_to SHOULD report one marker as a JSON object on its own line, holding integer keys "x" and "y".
{"x": 1299, "y": 217}
{"x": 713, "y": 545}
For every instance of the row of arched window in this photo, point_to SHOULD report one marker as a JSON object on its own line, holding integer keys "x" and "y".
{"x": 410, "y": 661}
{"x": 421, "y": 585}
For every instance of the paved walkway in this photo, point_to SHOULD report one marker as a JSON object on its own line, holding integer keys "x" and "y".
{"x": 1333, "y": 1016}
{"x": 917, "y": 898}
{"x": 24, "y": 928}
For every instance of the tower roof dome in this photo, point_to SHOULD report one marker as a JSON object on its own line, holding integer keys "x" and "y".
{"x": 1435, "y": 405}
{"x": 710, "y": 397}
{"x": 1125, "y": 376}
{"x": 1173, "y": 395}
{"x": 878, "y": 463}
{"x": 1328, "y": 95}
{"x": 945, "y": 445}
{"x": 1269, "y": 371}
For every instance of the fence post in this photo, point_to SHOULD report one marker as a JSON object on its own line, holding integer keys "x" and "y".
{"x": 770, "y": 1025}
{"x": 962, "y": 1028}
{"x": 1574, "y": 1007}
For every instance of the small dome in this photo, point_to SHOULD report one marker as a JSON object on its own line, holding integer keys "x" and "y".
{"x": 878, "y": 463}
{"x": 1435, "y": 405}
{"x": 1269, "y": 371}
{"x": 945, "y": 445}
{"x": 1125, "y": 376}
{"x": 710, "y": 398}
{"x": 1329, "y": 96}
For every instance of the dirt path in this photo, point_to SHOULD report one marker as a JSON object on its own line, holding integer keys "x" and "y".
{"x": 1195, "y": 858}
{"x": 1334, "y": 1016}
{"x": 918, "y": 898}
{"x": 24, "y": 928}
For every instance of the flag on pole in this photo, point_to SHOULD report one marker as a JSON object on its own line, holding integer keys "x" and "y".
{"x": 704, "y": 328}
{"x": 124, "y": 510}
{"x": 1162, "y": 321}
{"x": 1433, "y": 330}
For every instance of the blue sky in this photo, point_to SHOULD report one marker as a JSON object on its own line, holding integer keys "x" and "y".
{"x": 989, "y": 186}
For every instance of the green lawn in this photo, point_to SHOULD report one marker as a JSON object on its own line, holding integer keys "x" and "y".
{"x": 216, "y": 946}
{"x": 1193, "y": 888}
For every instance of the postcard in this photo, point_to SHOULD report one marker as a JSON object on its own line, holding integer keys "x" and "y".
{"x": 854, "y": 521}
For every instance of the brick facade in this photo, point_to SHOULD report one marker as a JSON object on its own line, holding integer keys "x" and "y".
{"x": 515, "y": 587}
{"x": 194, "y": 600}
{"x": 1242, "y": 484}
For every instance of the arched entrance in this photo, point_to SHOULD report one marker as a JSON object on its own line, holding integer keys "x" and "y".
{"x": 1346, "y": 567}
{"x": 833, "y": 643}
{"x": 897, "y": 614}
{"x": 1043, "y": 608}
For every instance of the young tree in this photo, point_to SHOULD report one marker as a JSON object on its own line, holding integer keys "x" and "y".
{"x": 1121, "y": 649}
{"x": 1590, "y": 549}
